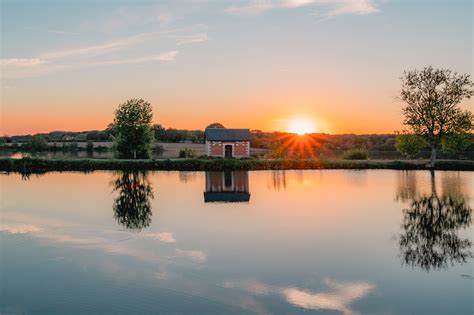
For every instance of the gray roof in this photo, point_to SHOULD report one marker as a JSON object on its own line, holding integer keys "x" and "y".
{"x": 226, "y": 134}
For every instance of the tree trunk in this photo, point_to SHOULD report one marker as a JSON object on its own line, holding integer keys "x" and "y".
{"x": 432, "y": 162}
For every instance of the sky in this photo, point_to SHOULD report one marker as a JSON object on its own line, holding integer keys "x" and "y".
{"x": 67, "y": 65}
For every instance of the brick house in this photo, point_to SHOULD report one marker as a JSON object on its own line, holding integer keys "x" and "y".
{"x": 227, "y": 142}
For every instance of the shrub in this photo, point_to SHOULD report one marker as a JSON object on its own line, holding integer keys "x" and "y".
{"x": 37, "y": 143}
{"x": 409, "y": 144}
{"x": 186, "y": 153}
{"x": 279, "y": 151}
{"x": 453, "y": 145}
{"x": 356, "y": 154}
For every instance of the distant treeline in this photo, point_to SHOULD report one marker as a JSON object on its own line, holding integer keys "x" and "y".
{"x": 260, "y": 139}
{"x": 169, "y": 135}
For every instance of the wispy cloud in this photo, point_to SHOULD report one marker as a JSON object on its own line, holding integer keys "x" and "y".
{"x": 126, "y": 17}
{"x": 166, "y": 56}
{"x": 98, "y": 54}
{"x": 86, "y": 56}
{"x": 194, "y": 255}
{"x": 61, "y": 32}
{"x": 165, "y": 237}
{"x": 99, "y": 49}
{"x": 192, "y": 39}
{"x": 252, "y": 286}
{"x": 21, "y": 62}
{"x": 19, "y": 228}
{"x": 328, "y": 8}
{"x": 337, "y": 297}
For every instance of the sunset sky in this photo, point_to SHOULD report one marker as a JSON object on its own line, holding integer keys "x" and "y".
{"x": 66, "y": 65}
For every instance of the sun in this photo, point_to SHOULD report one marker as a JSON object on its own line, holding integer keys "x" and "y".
{"x": 301, "y": 126}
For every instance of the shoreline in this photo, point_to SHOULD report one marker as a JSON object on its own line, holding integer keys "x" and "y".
{"x": 42, "y": 165}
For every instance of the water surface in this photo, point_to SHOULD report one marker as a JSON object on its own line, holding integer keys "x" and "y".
{"x": 282, "y": 242}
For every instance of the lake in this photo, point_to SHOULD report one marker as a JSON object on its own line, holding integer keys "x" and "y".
{"x": 266, "y": 242}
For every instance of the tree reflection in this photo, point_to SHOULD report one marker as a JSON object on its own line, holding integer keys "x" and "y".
{"x": 430, "y": 228}
{"x": 279, "y": 179}
{"x": 132, "y": 207}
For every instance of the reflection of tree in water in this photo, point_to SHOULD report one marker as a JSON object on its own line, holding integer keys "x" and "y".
{"x": 430, "y": 229}
{"x": 187, "y": 176}
{"x": 279, "y": 180}
{"x": 132, "y": 207}
{"x": 407, "y": 186}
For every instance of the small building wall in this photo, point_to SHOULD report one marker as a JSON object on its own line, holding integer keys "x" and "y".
{"x": 216, "y": 148}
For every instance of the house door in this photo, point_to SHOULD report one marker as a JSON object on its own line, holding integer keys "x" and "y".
{"x": 228, "y": 150}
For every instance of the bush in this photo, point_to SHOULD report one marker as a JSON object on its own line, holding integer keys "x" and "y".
{"x": 455, "y": 144}
{"x": 279, "y": 151}
{"x": 409, "y": 144}
{"x": 37, "y": 143}
{"x": 356, "y": 154}
{"x": 186, "y": 153}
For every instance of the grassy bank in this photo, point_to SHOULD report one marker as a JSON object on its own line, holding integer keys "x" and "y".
{"x": 39, "y": 165}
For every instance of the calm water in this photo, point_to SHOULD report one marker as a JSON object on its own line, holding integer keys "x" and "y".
{"x": 323, "y": 242}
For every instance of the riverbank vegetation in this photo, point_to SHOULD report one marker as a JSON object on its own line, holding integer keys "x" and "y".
{"x": 38, "y": 165}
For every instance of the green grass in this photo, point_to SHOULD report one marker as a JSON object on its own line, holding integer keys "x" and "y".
{"x": 39, "y": 165}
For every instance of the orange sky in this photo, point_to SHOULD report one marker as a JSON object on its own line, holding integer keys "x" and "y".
{"x": 67, "y": 67}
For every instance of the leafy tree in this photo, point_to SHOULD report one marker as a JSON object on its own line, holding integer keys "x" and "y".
{"x": 111, "y": 130}
{"x": 175, "y": 135}
{"x": 409, "y": 144}
{"x": 37, "y": 143}
{"x": 159, "y": 132}
{"x": 432, "y": 98}
{"x": 134, "y": 136}
{"x": 215, "y": 125}
{"x": 95, "y": 135}
{"x": 455, "y": 144}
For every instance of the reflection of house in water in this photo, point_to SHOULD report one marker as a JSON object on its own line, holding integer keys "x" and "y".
{"x": 229, "y": 186}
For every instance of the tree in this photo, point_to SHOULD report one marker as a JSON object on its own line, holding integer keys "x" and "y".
{"x": 432, "y": 98}
{"x": 455, "y": 144}
{"x": 159, "y": 132}
{"x": 37, "y": 143}
{"x": 215, "y": 125}
{"x": 409, "y": 144}
{"x": 132, "y": 124}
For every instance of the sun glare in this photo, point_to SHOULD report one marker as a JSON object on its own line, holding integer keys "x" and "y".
{"x": 301, "y": 126}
